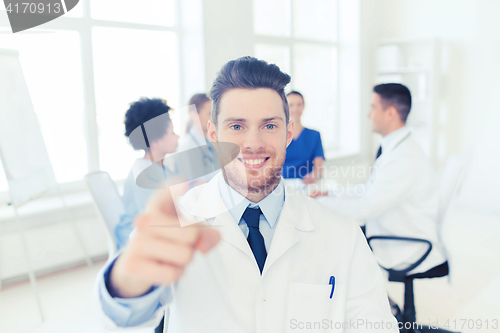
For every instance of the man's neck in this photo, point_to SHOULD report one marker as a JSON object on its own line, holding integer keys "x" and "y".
{"x": 254, "y": 196}
{"x": 392, "y": 129}
{"x": 261, "y": 195}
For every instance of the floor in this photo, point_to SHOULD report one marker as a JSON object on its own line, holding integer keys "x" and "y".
{"x": 67, "y": 303}
{"x": 469, "y": 299}
{"x": 467, "y": 302}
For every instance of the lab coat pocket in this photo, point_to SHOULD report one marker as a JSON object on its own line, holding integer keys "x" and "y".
{"x": 309, "y": 307}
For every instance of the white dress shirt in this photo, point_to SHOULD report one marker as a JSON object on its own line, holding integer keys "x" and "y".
{"x": 401, "y": 198}
{"x": 270, "y": 206}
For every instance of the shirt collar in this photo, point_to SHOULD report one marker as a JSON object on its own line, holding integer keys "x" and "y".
{"x": 270, "y": 206}
{"x": 392, "y": 139}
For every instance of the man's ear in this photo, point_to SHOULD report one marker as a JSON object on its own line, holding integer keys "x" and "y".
{"x": 393, "y": 112}
{"x": 212, "y": 131}
{"x": 289, "y": 132}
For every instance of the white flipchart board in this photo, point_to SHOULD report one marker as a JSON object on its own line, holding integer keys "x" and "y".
{"x": 22, "y": 149}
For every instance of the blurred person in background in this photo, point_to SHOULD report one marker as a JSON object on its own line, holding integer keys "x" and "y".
{"x": 150, "y": 117}
{"x": 304, "y": 156}
{"x": 200, "y": 108}
{"x": 401, "y": 197}
{"x": 200, "y": 161}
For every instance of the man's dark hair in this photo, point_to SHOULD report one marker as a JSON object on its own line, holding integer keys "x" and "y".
{"x": 248, "y": 73}
{"x": 397, "y": 95}
{"x": 142, "y": 111}
{"x": 295, "y": 92}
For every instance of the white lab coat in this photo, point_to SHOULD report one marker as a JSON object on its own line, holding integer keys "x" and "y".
{"x": 223, "y": 291}
{"x": 401, "y": 198}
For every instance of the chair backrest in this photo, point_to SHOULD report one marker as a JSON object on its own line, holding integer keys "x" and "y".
{"x": 108, "y": 202}
{"x": 450, "y": 180}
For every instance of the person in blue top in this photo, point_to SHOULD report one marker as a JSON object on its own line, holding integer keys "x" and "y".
{"x": 304, "y": 155}
{"x": 150, "y": 117}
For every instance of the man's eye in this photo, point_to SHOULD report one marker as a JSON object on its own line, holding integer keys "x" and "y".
{"x": 236, "y": 127}
{"x": 270, "y": 126}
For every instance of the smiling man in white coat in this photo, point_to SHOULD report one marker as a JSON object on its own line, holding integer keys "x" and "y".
{"x": 263, "y": 258}
{"x": 401, "y": 197}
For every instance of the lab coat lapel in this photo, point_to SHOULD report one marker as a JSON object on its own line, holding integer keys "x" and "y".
{"x": 230, "y": 232}
{"x": 208, "y": 205}
{"x": 294, "y": 219}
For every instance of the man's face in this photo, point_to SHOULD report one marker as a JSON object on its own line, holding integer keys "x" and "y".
{"x": 378, "y": 115}
{"x": 254, "y": 120}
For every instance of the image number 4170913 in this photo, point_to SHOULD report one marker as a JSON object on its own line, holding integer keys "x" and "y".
{"x": 26, "y": 14}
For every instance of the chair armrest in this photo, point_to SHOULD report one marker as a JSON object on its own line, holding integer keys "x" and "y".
{"x": 398, "y": 275}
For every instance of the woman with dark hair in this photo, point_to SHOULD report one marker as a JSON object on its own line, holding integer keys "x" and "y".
{"x": 304, "y": 155}
{"x": 148, "y": 127}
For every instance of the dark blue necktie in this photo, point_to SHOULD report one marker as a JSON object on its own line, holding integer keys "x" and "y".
{"x": 255, "y": 239}
{"x": 379, "y": 152}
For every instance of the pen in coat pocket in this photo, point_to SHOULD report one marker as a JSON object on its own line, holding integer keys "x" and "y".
{"x": 332, "y": 282}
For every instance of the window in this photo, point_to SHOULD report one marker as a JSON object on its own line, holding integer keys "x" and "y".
{"x": 275, "y": 54}
{"x": 315, "y": 76}
{"x": 138, "y": 63}
{"x": 83, "y": 70}
{"x": 301, "y": 38}
{"x": 77, "y": 11}
{"x": 155, "y": 12}
{"x": 52, "y": 69}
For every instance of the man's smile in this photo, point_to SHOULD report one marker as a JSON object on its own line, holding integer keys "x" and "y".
{"x": 253, "y": 162}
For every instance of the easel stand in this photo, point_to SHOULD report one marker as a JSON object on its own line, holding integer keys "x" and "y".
{"x": 29, "y": 175}
{"x": 22, "y": 233}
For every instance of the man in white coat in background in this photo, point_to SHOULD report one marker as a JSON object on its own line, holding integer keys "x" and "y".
{"x": 401, "y": 196}
{"x": 274, "y": 260}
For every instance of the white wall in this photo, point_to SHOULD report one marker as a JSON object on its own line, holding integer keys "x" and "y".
{"x": 228, "y": 33}
{"x": 51, "y": 239}
{"x": 470, "y": 29}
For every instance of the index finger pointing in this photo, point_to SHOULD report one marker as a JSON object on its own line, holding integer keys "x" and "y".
{"x": 163, "y": 201}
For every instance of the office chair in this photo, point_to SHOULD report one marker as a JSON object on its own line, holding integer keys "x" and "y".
{"x": 108, "y": 203}
{"x": 449, "y": 182}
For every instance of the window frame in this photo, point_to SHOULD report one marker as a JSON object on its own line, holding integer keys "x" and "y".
{"x": 83, "y": 26}
{"x": 289, "y": 41}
